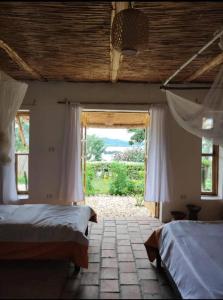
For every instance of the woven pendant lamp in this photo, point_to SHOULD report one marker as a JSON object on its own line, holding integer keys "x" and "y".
{"x": 130, "y": 31}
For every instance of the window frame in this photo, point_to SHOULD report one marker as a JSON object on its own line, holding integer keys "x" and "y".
{"x": 21, "y": 113}
{"x": 215, "y": 170}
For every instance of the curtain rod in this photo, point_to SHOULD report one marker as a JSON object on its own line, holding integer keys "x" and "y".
{"x": 110, "y": 104}
{"x": 193, "y": 57}
{"x": 163, "y": 87}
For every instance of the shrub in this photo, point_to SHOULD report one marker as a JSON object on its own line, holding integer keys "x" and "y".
{"x": 135, "y": 171}
{"x": 119, "y": 181}
{"x": 90, "y": 174}
{"x": 124, "y": 178}
{"x": 138, "y": 187}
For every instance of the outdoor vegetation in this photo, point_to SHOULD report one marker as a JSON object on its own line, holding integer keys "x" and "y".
{"x": 114, "y": 178}
{"x": 95, "y": 147}
{"x": 22, "y": 138}
{"x": 22, "y": 150}
{"x": 206, "y": 165}
{"x": 124, "y": 175}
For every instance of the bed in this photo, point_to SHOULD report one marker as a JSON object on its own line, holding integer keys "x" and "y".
{"x": 191, "y": 252}
{"x": 43, "y": 231}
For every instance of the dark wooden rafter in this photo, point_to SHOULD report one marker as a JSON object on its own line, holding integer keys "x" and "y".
{"x": 19, "y": 61}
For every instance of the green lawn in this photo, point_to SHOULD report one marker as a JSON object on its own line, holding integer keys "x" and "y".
{"x": 101, "y": 186}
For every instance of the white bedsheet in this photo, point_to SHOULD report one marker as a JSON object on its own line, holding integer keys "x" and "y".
{"x": 193, "y": 254}
{"x": 44, "y": 223}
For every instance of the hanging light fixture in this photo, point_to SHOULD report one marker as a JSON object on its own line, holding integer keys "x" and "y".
{"x": 130, "y": 31}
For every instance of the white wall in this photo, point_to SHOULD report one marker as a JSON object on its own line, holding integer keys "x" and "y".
{"x": 46, "y": 132}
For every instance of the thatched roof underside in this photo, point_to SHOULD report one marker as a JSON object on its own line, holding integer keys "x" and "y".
{"x": 115, "y": 119}
{"x": 70, "y": 41}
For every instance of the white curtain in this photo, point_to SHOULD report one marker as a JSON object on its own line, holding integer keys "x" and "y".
{"x": 204, "y": 119}
{"x": 158, "y": 187}
{"x": 9, "y": 180}
{"x": 71, "y": 189}
{"x": 12, "y": 94}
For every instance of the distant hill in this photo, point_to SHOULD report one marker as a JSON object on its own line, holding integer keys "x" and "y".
{"x": 115, "y": 142}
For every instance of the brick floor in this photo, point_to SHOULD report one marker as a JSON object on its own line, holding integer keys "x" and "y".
{"x": 118, "y": 264}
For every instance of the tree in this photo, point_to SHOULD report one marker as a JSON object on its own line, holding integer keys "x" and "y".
{"x": 138, "y": 137}
{"x": 95, "y": 147}
{"x": 20, "y": 147}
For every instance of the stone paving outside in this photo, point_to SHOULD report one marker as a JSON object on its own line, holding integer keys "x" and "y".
{"x": 118, "y": 264}
{"x": 116, "y": 206}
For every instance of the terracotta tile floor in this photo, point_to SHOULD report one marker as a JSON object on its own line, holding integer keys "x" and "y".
{"x": 118, "y": 268}
{"x": 118, "y": 264}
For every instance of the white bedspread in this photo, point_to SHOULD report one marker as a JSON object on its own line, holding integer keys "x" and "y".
{"x": 44, "y": 223}
{"x": 193, "y": 254}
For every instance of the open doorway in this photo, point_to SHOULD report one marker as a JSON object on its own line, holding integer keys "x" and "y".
{"x": 114, "y": 158}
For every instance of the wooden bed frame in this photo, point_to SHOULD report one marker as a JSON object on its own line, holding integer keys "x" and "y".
{"x": 78, "y": 268}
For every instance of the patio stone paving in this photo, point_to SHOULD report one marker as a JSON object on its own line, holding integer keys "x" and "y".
{"x": 117, "y": 207}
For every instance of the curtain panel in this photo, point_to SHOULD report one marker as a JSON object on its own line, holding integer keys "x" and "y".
{"x": 71, "y": 188}
{"x": 158, "y": 186}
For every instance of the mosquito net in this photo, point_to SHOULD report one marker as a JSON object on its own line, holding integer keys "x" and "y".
{"x": 12, "y": 93}
{"x": 205, "y": 119}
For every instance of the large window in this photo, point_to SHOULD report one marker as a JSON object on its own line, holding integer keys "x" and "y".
{"x": 209, "y": 168}
{"x": 22, "y": 151}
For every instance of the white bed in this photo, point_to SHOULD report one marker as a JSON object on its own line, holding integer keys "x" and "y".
{"x": 192, "y": 252}
{"x": 42, "y": 231}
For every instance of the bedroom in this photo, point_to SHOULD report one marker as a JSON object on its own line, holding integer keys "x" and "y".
{"x": 67, "y": 47}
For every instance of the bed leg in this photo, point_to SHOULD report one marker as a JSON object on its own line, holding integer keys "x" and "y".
{"x": 86, "y": 231}
{"x": 76, "y": 269}
{"x": 158, "y": 260}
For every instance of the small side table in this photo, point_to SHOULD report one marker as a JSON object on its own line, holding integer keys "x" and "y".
{"x": 193, "y": 211}
{"x": 177, "y": 215}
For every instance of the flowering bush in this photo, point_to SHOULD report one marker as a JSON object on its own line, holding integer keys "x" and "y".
{"x": 135, "y": 155}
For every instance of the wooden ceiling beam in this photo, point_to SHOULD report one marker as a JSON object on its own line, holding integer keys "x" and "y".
{"x": 116, "y": 56}
{"x": 216, "y": 61}
{"x": 19, "y": 61}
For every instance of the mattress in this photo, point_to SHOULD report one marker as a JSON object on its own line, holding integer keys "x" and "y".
{"x": 42, "y": 231}
{"x": 192, "y": 253}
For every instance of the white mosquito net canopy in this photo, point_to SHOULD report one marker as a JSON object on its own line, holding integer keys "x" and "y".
{"x": 205, "y": 119}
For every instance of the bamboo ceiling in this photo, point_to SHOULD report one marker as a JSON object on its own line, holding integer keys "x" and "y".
{"x": 70, "y": 41}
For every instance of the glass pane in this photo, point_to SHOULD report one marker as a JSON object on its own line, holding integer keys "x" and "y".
{"x": 207, "y": 123}
{"x": 22, "y": 161}
{"x": 22, "y": 134}
{"x": 207, "y": 146}
{"x": 206, "y": 174}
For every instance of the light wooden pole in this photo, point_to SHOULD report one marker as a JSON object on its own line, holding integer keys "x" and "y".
{"x": 216, "y": 61}
{"x": 19, "y": 61}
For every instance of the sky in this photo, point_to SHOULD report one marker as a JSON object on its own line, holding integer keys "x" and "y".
{"x": 120, "y": 134}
